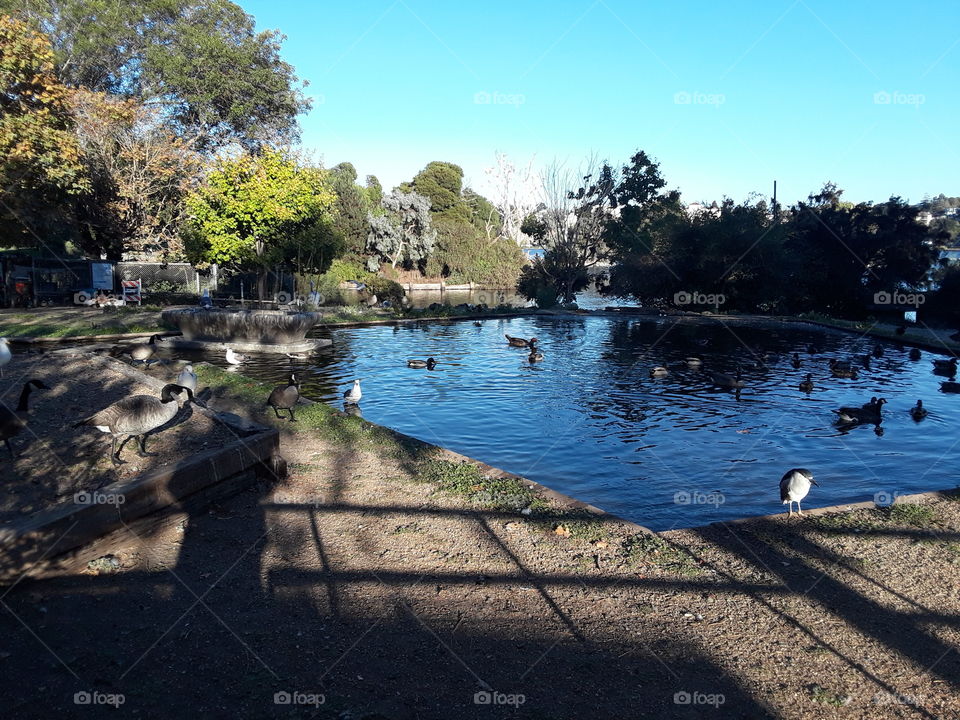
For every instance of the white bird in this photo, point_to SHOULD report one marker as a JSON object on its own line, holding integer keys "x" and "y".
{"x": 5, "y": 355}
{"x": 353, "y": 395}
{"x": 794, "y": 487}
{"x": 187, "y": 378}
{"x": 235, "y": 358}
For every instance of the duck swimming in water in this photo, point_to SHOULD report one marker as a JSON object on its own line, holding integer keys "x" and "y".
{"x": 429, "y": 364}
{"x": 918, "y": 411}
{"x": 535, "y": 356}
{"x": 659, "y": 372}
{"x": 807, "y": 385}
{"x": 521, "y": 342}
{"x": 868, "y": 413}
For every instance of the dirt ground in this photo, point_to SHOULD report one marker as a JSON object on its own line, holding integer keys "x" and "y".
{"x": 55, "y": 461}
{"x": 356, "y": 590}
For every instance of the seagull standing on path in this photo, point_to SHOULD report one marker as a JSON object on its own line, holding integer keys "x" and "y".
{"x": 794, "y": 487}
{"x": 353, "y": 395}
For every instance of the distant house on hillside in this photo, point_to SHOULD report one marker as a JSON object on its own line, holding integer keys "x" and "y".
{"x": 695, "y": 208}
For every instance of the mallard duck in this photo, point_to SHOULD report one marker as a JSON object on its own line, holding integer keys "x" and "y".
{"x": 794, "y": 486}
{"x": 914, "y": 354}
{"x": 950, "y": 387}
{"x": 878, "y": 350}
{"x": 795, "y": 360}
{"x": 694, "y": 362}
{"x": 429, "y": 364}
{"x": 842, "y": 369}
{"x": 658, "y": 372}
{"x": 728, "y": 381}
{"x": 353, "y": 395}
{"x": 868, "y": 413}
{"x": 807, "y": 385}
{"x": 918, "y": 412}
{"x": 945, "y": 367}
{"x": 771, "y": 357}
{"x": 535, "y": 356}
{"x": 813, "y": 349}
{"x": 520, "y": 342}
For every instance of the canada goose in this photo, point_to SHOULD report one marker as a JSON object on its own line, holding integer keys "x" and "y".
{"x": 188, "y": 378}
{"x": 140, "y": 352}
{"x": 353, "y": 395}
{"x": 235, "y": 358}
{"x": 135, "y": 416}
{"x": 868, "y": 413}
{"x": 694, "y": 362}
{"x": 807, "y": 385}
{"x": 429, "y": 364}
{"x": 945, "y": 367}
{"x": 659, "y": 372}
{"x": 535, "y": 356}
{"x": 13, "y": 421}
{"x": 5, "y": 355}
{"x": 918, "y": 412}
{"x": 794, "y": 486}
{"x": 728, "y": 381}
{"x": 950, "y": 387}
{"x": 795, "y": 361}
{"x": 914, "y": 354}
{"x": 520, "y": 342}
{"x": 878, "y": 350}
{"x": 285, "y": 397}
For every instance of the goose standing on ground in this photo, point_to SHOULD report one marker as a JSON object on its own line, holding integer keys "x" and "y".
{"x": 136, "y": 416}
{"x": 5, "y": 355}
{"x": 235, "y": 358}
{"x": 868, "y": 413}
{"x": 914, "y": 354}
{"x": 188, "y": 378}
{"x": 285, "y": 397}
{"x": 353, "y": 395}
{"x": 13, "y": 421}
{"x": 794, "y": 486}
{"x": 807, "y": 385}
{"x": 918, "y": 411}
{"x": 141, "y": 352}
{"x": 521, "y": 342}
{"x": 535, "y": 356}
{"x": 429, "y": 364}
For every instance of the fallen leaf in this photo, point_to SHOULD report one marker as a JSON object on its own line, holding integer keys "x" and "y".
{"x": 562, "y": 530}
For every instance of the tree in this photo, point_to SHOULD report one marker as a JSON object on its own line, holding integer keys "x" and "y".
{"x": 140, "y": 173}
{"x": 40, "y": 163}
{"x": 218, "y": 80}
{"x": 403, "y": 234}
{"x": 442, "y": 184}
{"x": 245, "y": 213}
{"x": 514, "y": 196}
{"x": 352, "y": 208}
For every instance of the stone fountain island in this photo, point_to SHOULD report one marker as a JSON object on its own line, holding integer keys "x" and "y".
{"x": 272, "y": 331}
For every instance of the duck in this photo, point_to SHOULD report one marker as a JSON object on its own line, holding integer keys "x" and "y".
{"x": 950, "y": 387}
{"x": 795, "y": 360}
{"x": 235, "y": 358}
{"x": 728, "y": 381}
{"x": 865, "y": 361}
{"x": 429, "y": 364}
{"x": 188, "y": 378}
{"x": 659, "y": 372}
{"x": 839, "y": 364}
{"x": 807, "y": 385}
{"x": 535, "y": 356}
{"x": 136, "y": 416}
{"x": 867, "y": 413}
{"x": 843, "y": 370}
{"x": 477, "y": 323}
{"x": 5, "y": 355}
{"x": 941, "y": 367}
{"x": 878, "y": 350}
{"x": 12, "y": 422}
{"x": 353, "y": 395}
{"x": 285, "y": 397}
{"x": 914, "y": 354}
{"x": 520, "y": 342}
{"x": 918, "y": 411}
{"x": 813, "y": 349}
{"x": 771, "y": 357}
{"x": 794, "y": 487}
{"x": 141, "y": 352}
{"x": 694, "y": 362}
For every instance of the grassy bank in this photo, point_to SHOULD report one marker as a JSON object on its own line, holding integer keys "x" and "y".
{"x": 79, "y": 323}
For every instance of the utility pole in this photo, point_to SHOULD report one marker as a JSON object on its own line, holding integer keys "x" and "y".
{"x": 776, "y": 210}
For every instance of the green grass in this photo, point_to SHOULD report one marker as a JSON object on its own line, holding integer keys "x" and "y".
{"x": 466, "y": 480}
{"x": 652, "y": 549}
{"x": 857, "y": 521}
{"x": 921, "y": 516}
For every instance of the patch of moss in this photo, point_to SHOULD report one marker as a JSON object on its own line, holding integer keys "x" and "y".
{"x": 921, "y": 516}
{"x": 467, "y": 480}
{"x": 640, "y": 549}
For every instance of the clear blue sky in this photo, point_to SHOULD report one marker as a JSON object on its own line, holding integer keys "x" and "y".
{"x": 727, "y": 96}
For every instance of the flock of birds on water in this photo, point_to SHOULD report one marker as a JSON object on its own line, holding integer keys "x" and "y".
{"x": 135, "y": 417}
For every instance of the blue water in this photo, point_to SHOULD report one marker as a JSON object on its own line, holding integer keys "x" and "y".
{"x": 590, "y": 422}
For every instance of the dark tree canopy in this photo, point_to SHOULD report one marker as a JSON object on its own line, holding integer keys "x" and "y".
{"x": 217, "y": 78}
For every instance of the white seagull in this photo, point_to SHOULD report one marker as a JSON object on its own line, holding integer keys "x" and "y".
{"x": 235, "y": 358}
{"x": 794, "y": 487}
{"x": 353, "y": 395}
{"x": 187, "y": 378}
{"x": 5, "y": 354}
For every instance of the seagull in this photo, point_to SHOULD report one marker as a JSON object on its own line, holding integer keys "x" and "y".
{"x": 235, "y": 358}
{"x": 187, "y": 378}
{"x": 794, "y": 486}
{"x": 5, "y": 354}
{"x": 353, "y": 395}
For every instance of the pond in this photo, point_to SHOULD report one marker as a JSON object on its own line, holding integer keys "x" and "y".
{"x": 670, "y": 452}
